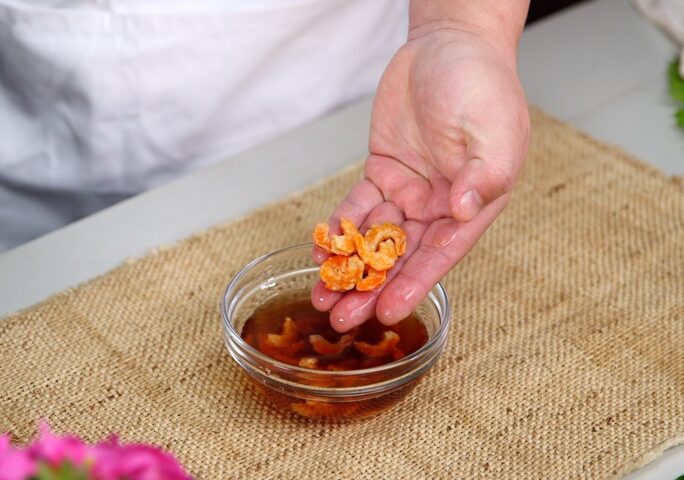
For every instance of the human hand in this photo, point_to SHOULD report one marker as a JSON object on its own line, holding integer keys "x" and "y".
{"x": 449, "y": 133}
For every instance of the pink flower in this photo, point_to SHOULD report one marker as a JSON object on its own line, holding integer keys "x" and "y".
{"x": 14, "y": 465}
{"x": 135, "y": 461}
{"x": 106, "y": 461}
{"x": 54, "y": 449}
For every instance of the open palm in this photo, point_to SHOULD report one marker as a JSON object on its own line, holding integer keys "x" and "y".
{"x": 449, "y": 133}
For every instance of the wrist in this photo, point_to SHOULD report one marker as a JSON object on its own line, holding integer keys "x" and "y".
{"x": 500, "y": 23}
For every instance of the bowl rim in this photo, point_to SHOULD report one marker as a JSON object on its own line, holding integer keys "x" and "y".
{"x": 228, "y": 307}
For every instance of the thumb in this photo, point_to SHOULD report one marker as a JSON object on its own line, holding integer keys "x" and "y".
{"x": 477, "y": 184}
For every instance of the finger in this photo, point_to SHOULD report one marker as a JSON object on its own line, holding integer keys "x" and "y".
{"x": 478, "y": 184}
{"x": 395, "y": 178}
{"x": 385, "y": 212}
{"x": 406, "y": 188}
{"x": 421, "y": 198}
{"x": 319, "y": 255}
{"x": 323, "y": 299}
{"x": 497, "y": 149}
{"x": 354, "y": 308}
{"x": 444, "y": 243}
{"x": 359, "y": 202}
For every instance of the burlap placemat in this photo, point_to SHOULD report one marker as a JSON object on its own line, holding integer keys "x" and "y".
{"x": 566, "y": 357}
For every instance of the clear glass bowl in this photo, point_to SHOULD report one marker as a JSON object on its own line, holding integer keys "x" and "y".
{"x": 321, "y": 394}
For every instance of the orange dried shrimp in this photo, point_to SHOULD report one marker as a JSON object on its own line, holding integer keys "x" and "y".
{"x": 381, "y": 246}
{"x": 283, "y": 347}
{"x": 291, "y": 347}
{"x": 355, "y": 254}
{"x": 340, "y": 273}
{"x": 321, "y": 236}
{"x": 324, "y": 347}
{"x": 381, "y": 349}
{"x": 339, "y": 244}
{"x": 286, "y": 338}
{"x": 373, "y": 279}
{"x": 308, "y": 362}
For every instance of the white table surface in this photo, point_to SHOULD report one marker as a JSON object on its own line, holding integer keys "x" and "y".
{"x": 597, "y": 66}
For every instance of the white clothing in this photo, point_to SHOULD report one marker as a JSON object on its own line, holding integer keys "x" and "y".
{"x": 100, "y": 100}
{"x": 669, "y": 16}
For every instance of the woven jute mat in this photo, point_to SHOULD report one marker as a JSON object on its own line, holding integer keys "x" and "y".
{"x": 565, "y": 360}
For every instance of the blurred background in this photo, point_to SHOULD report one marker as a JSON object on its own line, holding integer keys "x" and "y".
{"x": 88, "y": 124}
{"x": 542, "y": 8}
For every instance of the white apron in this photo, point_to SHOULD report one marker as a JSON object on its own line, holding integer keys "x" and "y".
{"x": 100, "y": 100}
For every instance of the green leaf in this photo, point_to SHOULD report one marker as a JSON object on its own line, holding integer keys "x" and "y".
{"x": 65, "y": 471}
{"x": 681, "y": 477}
{"x": 679, "y": 116}
{"x": 676, "y": 81}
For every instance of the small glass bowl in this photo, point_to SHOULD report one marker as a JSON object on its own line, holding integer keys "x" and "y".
{"x": 321, "y": 394}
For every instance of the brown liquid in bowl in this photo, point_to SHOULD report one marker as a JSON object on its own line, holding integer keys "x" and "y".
{"x": 270, "y": 319}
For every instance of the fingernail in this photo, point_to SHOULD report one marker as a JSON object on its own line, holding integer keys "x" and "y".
{"x": 338, "y": 324}
{"x": 469, "y": 205}
{"x": 389, "y": 318}
{"x": 404, "y": 295}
